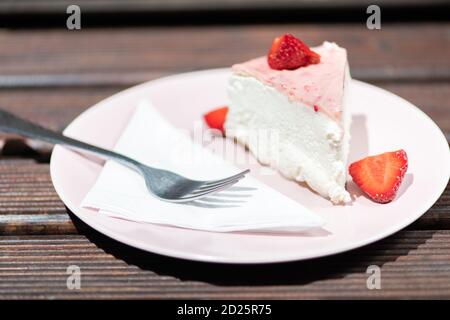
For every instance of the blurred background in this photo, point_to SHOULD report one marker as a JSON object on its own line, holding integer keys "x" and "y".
{"x": 50, "y": 74}
{"x": 122, "y": 43}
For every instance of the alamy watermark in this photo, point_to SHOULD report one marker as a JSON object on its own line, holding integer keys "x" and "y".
{"x": 73, "y": 281}
{"x": 73, "y": 22}
{"x": 187, "y": 147}
{"x": 373, "y": 282}
{"x": 374, "y": 20}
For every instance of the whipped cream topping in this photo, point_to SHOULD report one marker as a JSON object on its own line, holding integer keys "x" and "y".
{"x": 320, "y": 86}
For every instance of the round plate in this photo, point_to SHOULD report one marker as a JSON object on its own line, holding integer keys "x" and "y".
{"x": 382, "y": 122}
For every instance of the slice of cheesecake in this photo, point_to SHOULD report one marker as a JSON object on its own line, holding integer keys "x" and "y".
{"x": 297, "y": 120}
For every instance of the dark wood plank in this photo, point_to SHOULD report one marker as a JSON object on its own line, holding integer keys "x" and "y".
{"x": 414, "y": 264}
{"x": 53, "y": 107}
{"x": 30, "y": 205}
{"x": 392, "y": 53}
{"x": 89, "y": 80}
{"x": 28, "y": 201}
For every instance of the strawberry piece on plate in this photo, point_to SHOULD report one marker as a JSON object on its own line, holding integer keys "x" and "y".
{"x": 215, "y": 119}
{"x": 380, "y": 176}
{"x": 289, "y": 53}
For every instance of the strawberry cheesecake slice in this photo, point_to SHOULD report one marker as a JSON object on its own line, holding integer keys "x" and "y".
{"x": 290, "y": 109}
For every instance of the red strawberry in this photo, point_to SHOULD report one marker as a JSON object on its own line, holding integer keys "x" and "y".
{"x": 313, "y": 57}
{"x": 288, "y": 52}
{"x": 380, "y": 176}
{"x": 215, "y": 119}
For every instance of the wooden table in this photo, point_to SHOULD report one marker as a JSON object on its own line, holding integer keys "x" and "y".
{"x": 51, "y": 75}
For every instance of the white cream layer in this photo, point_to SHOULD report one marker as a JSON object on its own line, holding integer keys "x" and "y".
{"x": 302, "y": 144}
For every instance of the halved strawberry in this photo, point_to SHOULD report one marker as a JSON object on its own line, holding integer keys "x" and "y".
{"x": 380, "y": 176}
{"x": 288, "y": 52}
{"x": 215, "y": 119}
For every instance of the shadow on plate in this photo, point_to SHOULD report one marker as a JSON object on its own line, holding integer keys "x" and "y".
{"x": 359, "y": 140}
{"x": 288, "y": 273}
{"x": 232, "y": 197}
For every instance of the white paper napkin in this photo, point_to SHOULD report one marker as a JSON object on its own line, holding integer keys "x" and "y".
{"x": 149, "y": 138}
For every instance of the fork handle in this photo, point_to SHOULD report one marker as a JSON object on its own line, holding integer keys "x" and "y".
{"x": 13, "y": 124}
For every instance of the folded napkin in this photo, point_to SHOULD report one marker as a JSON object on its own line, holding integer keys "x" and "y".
{"x": 249, "y": 205}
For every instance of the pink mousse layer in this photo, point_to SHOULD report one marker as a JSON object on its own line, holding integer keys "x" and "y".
{"x": 320, "y": 86}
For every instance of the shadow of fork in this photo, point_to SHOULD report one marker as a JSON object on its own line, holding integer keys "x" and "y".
{"x": 229, "y": 198}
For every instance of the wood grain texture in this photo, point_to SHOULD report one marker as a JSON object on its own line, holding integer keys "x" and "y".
{"x": 414, "y": 264}
{"x": 53, "y": 107}
{"x": 28, "y": 201}
{"x": 391, "y": 53}
{"x": 50, "y": 76}
{"x": 30, "y": 205}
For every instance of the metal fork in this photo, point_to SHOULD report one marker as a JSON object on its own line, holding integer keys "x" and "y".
{"x": 163, "y": 184}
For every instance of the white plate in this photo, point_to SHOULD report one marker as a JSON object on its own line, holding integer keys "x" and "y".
{"x": 382, "y": 122}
